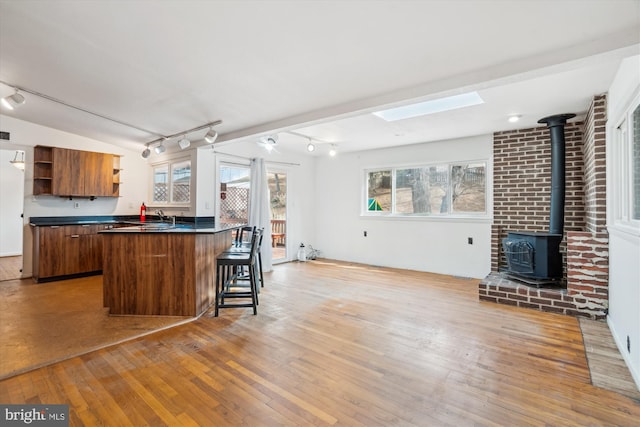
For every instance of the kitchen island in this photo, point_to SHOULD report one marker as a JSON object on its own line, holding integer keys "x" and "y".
{"x": 160, "y": 269}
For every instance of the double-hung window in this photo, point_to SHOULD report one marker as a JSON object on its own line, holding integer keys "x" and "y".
{"x": 172, "y": 183}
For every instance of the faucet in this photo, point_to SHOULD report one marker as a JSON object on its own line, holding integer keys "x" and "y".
{"x": 160, "y": 214}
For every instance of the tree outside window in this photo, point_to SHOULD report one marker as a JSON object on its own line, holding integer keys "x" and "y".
{"x": 442, "y": 189}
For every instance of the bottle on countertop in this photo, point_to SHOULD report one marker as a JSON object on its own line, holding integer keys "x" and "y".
{"x": 143, "y": 212}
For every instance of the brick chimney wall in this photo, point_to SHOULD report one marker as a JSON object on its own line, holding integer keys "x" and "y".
{"x": 522, "y": 186}
{"x": 588, "y": 250}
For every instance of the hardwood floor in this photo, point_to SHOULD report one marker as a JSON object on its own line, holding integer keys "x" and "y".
{"x": 341, "y": 344}
{"x": 10, "y": 267}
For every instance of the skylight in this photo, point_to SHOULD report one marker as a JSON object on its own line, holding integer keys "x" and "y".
{"x": 430, "y": 107}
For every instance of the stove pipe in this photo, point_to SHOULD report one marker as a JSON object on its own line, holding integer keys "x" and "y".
{"x": 556, "y": 129}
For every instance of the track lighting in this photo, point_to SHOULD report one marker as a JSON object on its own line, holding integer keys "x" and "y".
{"x": 211, "y": 136}
{"x": 268, "y": 142}
{"x": 184, "y": 143}
{"x": 18, "y": 163}
{"x": 12, "y": 101}
{"x": 311, "y": 147}
{"x": 332, "y": 150}
{"x": 146, "y": 152}
{"x": 160, "y": 148}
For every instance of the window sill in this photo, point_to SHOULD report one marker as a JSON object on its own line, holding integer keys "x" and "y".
{"x": 434, "y": 218}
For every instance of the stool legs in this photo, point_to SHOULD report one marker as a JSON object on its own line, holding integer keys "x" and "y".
{"x": 226, "y": 279}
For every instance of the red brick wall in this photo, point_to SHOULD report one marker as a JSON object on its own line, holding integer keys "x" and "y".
{"x": 595, "y": 180}
{"x": 522, "y": 180}
{"x": 522, "y": 184}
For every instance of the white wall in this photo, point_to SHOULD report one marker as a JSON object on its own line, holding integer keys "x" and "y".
{"x": 134, "y": 177}
{"x": 624, "y": 242}
{"x": 437, "y": 245}
{"x": 11, "y": 195}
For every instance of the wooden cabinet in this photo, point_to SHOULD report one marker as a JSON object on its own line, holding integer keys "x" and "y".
{"x": 68, "y": 173}
{"x": 66, "y": 250}
{"x": 42, "y": 170}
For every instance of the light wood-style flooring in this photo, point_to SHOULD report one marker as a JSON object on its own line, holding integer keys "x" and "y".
{"x": 10, "y": 267}
{"x": 341, "y": 344}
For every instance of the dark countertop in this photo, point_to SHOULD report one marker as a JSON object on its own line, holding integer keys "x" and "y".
{"x": 192, "y": 222}
{"x": 168, "y": 228}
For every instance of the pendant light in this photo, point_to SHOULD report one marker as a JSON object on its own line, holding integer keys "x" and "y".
{"x": 18, "y": 163}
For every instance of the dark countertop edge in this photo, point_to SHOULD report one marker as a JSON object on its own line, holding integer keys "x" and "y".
{"x": 190, "y": 230}
{"x": 197, "y": 222}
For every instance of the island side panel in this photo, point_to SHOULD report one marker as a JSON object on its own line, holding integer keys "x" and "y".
{"x": 208, "y": 247}
{"x": 149, "y": 274}
{"x": 178, "y": 286}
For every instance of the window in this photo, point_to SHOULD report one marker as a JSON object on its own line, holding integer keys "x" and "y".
{"x": 441, "y": 189}
{"x": 379, "y": 191}
{"x": 625, "y": 169}
{"x": 635, "y": 168}
{"x": 174, "y": 188}
{"x": 234, "y": 194}
{"x": 181, "y": 182}
{"x": 160, "y": 183}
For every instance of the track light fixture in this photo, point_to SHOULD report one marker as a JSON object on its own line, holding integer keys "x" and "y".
{"x": 211, "y": 136}
{"x": 10, "y": 102}
{"x": 268, "y": 142}
{"x": 184, "y": 143}
{"x": 310, "y": 146}
{"x": 161, "y": 148}
{"x": 146, "y": 152}
{"x": 332, "y": 150}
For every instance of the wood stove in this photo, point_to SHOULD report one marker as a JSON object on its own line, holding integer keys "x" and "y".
{"x": 534, "y": 257}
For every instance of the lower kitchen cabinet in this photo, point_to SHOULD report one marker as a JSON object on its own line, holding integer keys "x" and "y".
{"x": 66, "y": 250}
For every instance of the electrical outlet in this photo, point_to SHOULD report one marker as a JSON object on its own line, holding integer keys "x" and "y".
{"x": 76, "y": 205}
{"x": 365, "y": 234}
{"x": 470, "y": 240}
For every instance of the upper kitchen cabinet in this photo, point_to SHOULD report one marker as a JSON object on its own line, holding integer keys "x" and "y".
{"x": 69, "y": 173}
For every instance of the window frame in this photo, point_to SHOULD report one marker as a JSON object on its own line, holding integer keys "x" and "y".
{"x": 621, "y": 173}
{"x": 449, "y": 215}
{"x": 169, "y": 164}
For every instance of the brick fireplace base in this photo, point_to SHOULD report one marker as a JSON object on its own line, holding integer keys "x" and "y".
{"x": 496, "y": 287}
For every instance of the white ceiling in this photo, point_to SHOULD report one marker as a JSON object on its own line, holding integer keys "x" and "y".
{"x": 315, "y": 68}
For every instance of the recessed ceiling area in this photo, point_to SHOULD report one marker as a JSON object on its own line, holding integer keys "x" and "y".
{"x": 303, "y": 70}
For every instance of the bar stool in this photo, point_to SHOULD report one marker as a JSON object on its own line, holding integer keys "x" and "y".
{"x": 239, "y": 247}
{"x": 240, "y": 239}
{"x": 227, "y": 277}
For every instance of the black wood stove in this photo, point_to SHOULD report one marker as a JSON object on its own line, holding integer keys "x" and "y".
{"x": 534, "y": 257}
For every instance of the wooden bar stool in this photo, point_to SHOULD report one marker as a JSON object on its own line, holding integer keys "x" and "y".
{"x": 230, "y": 285}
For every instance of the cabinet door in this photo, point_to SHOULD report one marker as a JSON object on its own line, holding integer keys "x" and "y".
{"x": 51, "y": 251}
{"x": 67, "y": 174}
{"x": 98, "y": 169}
{"x": 90, "y": 258}
{"x": 72, "y": 256}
